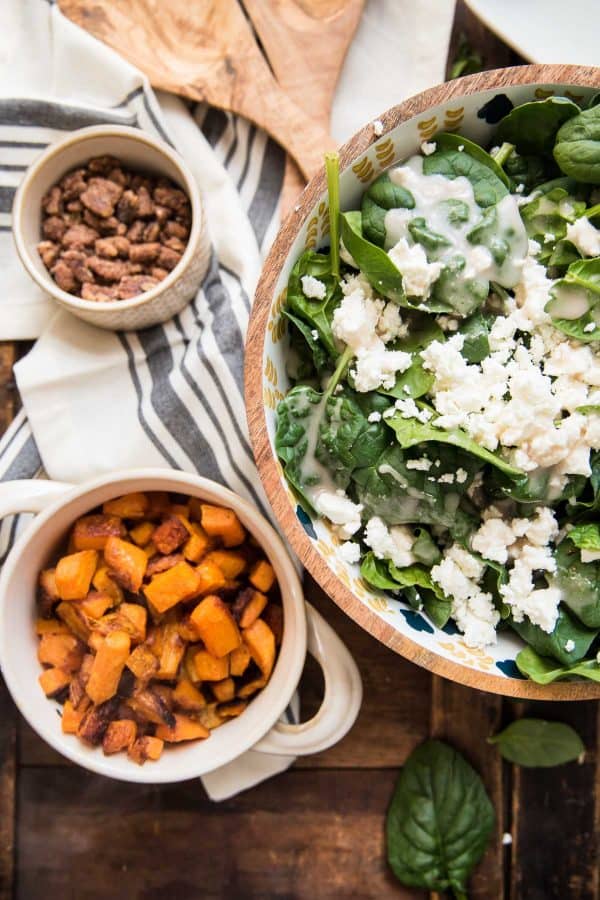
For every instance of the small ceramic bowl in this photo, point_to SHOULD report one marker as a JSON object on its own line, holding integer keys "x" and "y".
{"x": 471, "y": 106}
{"x": 258, "y": 728}
{"x": 140, "y": 152}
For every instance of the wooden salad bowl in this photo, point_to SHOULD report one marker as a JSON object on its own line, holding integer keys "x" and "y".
{"x": 472, "y": 106}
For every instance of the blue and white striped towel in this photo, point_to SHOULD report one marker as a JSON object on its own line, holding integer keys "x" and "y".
{"x": 172, "y": 395}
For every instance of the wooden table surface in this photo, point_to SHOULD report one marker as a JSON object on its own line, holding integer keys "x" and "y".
{"x": 316, "y": 831}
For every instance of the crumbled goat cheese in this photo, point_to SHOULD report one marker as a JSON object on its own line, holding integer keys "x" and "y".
{"x": 428, "y": 147}
{"x": 506, "y": 837}
{"x": 312, "y": 288}
{"x": 460, "y": 148}
{"x": 377, "y": 367}
{"x": 591, "y": 326}
{"x": 417, "y": 273}
{"x": 408, "y": 409}
{"x": 588, "y": 556}
{"x": 472, "y": 609}
{"x": 374, "y": 416}
{"x": 446, "y": 478}
{"x": 377, "y": 127}
{"x": 390, "y": 326}
{"x": 421, "y": 465}
{"x": 314, "y": 334}
{"x": 350, "y": 552}
{"x": 584, "y": 236}
{"x": 394, "y": 543}
{"x": 447, "y": 323}
{"x": 340, "y": 510}
{"x": 461, "y": 475}
{"x": 570, "y": 645}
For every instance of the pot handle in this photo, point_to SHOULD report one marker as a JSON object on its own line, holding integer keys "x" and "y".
{"x": 341, "y": 703}
{"x": 29, "y": 495}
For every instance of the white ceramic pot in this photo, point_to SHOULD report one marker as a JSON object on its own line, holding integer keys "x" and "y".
{"x": 258, "y": 727}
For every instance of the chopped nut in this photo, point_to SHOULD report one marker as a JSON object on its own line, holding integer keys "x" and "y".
{"x": 159, "y": 273}
{"x": 77, "y": 262}
{"x": 136, "y": 232}
{"x": 174, "y": 243}
{"x": 146, "y": 206}
{"x": 151, "y": 232}
{"x": 162, "y": 213}
{"x": 171, "y": 197}
{"x": 73, "y": 184}
{"x": 176, "y": 229}
{"x": 100, "y": 165}
{"x": 98, "y": 292}
{"x": 127, "y": 207}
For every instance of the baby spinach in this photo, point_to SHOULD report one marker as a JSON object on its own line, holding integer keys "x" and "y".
{"x": 578, "y": 582}
{"x": 535, "y": 743}
{"x": 488, "y": 186}
{"x": 291, "y": 439}
{"x": 309, "y": 348}
{"x": 416, "y": 380}
{"x": 544, "y": 671}
{"x": 449, "y": 141}
{"x": 555, "y": 204}
{"x": 439, "y": 821}
{"x": 528, "y": 171}
{"x": 376, "y": 573}
{"x": 378, "y": 199}
{"x": 420, "y": 232}
{"x": 424, "y": 549}
{"x": 316, "y": 313}
{"x": 531, "y": 127}
{"x": 373, "y": 262}
{"x": 586, "y": 536}
{"x": 347, "y": 440}
{"x": 577, "y": 146}
{"x": 567, "y": 629}
{"x": 437, "y": 606}
{"x": 475, "y": 331}
{"x": 581, "y": 284}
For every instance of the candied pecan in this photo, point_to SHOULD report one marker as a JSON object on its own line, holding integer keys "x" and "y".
{"x": 127, "y": 207}
{"x": 101, "y": 195}
{"x": 109, "y": 226}
{"x": 136, "y": 231}
{"x": 174, "y": 244}
{"x": 171, "y": 197}
{"x": 167, "y": 258}
{"x": 79, "y": 236}
{"x": 138, "y": 181}
{"x": 53, "y": 228}
{"x": 132, "y": 285}
{"x": 119, "y": 176}
{"x": 75, "y": 206}
{"x": 51, "y": 201}
{"x": 48, "y": 251}
{"x": 64, "y": 277}
{"x": 73, "y": 184}
{"x": 176, "y": 229}
{"x": 100, "y": 165}
{"x": 111, "y": 247}
{"x": 162, "y": 563}
{"x": 159, "y": 273}
{"x": 98, "y": 292}
{"x": 108, "y": 269}
{"x": 134, "y": 268}
{"x": 77, "y": 262}
{"x": 146, "y": 206}
{"x": 144, "y": 253}
{"x": 151, "y": 232}
{"x": 162, "y": 213}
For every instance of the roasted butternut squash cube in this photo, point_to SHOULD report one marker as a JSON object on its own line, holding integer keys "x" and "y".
{"x": 260, "y": 641}
{"x": 167, "y": 589}
{"x": 169, "y": 535}
{"x": 96, "y": 604}
{"x": 224, "y": 690}
{"x": 209, "y": 717}
{"x": 229, "y": 562}
{"x": 179, "y": 509}
{"x": 262, "y": 575}
{"x": 50, "y": 626}
{"x": 145, "y": 748}
{"x": 232, "y": 709}
{"x": 119, "y": 735}
{"x": 273, "y": 616}
{"x": 209, "y": 668}
{"x": 239, "y": 660}
{"x": 251, "y": 687}
{"x": 92, "y": 532}
{"x": 129, "y": 506}
{"x": 248, "y": 606}
{"x": 96, "y": 721}
{"x": 63, "y": 651}
{"x": 74, "y": 574}
{"x": 216, "y": 626}
{"x": 188, "y": 669}
{"x": 95, "y": 641}
{"x": 187, "y": 696}
{"x": 53, "y": 681}
{"x": 158, "y": 504}
{"x": 108, "y": 667}
{"x": 197, "y": 544}
{"x": 223, "y": 524}
{"x": 171, "y": 652}
{"x": 75, "y": 619}
{"x": 185, "y": 729}
{"x": 47, "y": 592}
{"x": 150, "y": 706}
{"x": 71, "y": 717}
{"x": 143, "y": 663}
{"x": 103, "y": 583}
{"x": 211, "y": 578}
{"x": 142, "y": 534}
{"x": 126, "y": 562}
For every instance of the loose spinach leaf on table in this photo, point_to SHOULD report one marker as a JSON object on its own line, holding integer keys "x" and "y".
{"x": 439, "y": 821}
{"x": 567, "y": 628}
{"x": 380, "y": 197}
{"x": 543, "y": 670}
{"x": 532, "y": 127}
{"x": 535, "y": 743}
{"x": 488, "y": 187}
{"x": 578, "y": 582}
{"x": 317, "y": 314}
{"x": 577, "y": 146}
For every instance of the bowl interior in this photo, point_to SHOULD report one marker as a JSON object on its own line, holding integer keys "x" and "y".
{"x": 18, "y": 643}
{"x": 475, "y": 115}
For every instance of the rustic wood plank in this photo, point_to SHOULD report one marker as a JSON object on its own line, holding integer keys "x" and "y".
{"x": 554, "y": 814}
{"x": 303, "y": 835}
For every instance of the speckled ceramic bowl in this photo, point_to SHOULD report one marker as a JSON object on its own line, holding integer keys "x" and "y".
{"x": 471, "y": 106}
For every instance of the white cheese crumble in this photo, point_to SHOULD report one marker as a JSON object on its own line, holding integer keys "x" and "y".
{"x": 461, "y": 475}
{"x": 428, "y": 147}
{"x": 591, "y": 326}
{"x": 313, "y": 288}
{"x": 374, "y": 416}
{"x": 417, "y": 273}
{"x": 584, "y": 236}
{"x": 393, "y": 543}
{"x": 421, "y": 465}
{"x": 377, "y": 127}
{"x": 588, "y": 556}
{"x": 408, "y": 409}
{"x": 570, "y": 645}
{"x": 507, "y": 837}
{"x": 472, "y": 609}
{"x": 350, "y": 552}
{"x": 340, "y": 510}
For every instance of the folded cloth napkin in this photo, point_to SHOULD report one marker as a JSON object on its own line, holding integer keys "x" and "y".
{"x": 171, "y": 395}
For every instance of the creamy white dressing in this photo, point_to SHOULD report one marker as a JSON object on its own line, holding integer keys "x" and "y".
{"x": 569, "y": 302}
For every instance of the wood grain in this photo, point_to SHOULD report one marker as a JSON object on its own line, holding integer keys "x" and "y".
{"x": 205, "y": 51}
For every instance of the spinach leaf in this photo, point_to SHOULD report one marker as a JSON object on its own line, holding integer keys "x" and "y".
{"x": 586, "y": 536}
{"x": 422, "y": 234}
{"x": 294, "y": 415}
{"x": 452, "y": 292}
{"x": 373, "y": 262}
{"x": 577, "y": 146}
{"x": 531, "y": 127}
{"x": 535, "y": 743}
{"x": 437, "y": 606}
{"x": 574, "y": 301}
{"x": 347, "y": 440}
{"x": 380, "y": 197}
{"x": 424, "y": 549}
{"x": 533, "y": 487}
{"x": 316, "y": 313}
{"x": 410, "y": 432}
{"x": 449, "y": 141}
{"x": 566, "y": 629}
{"x": 376, "y": 573}
{"x": 555, "y": 204}
{"x": 488, "y": 187}
{"x": 544, "y": 671}
{"x": 529, "y": 171}
{"x": 306, "y": 345}
{"x": 416, "y": 381}
{"x": 439, "y": 821}
{"x": 476, "y": 331}
{"x": 579, "y": 582}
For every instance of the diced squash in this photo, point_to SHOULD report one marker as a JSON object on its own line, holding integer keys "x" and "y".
{"x": 185, "y": 729}
{"x": 209, "y": 668}
{"x": 63, "y": 651}
{"x": 158, "y": 504}
{"x": 224, "y": 690}
{"x": 53, "y": 681}
{"x": 181, "y": 582}
{"x": 47, "y": 591}
{"x": 103, "y": 583}
{"x": 96, "y": 604}
{"x": 187, "y": 696}
{"x": 96, "y": 721}
{"x": 71, "y": 717}
{"x": 151, "y": 707}
{"x": 75, "y": 619}
{"x": 74, "y": 574}
{"x": 197, "y": 544}
{"x": 187, "y": 631}
{"x": 209, "y": 717}
{"x": 119, "y": 735}
{"x": 260, "y": 641}
{"x": 229, "y": 562}
{"x": 50, "y": 626}
{"x": 126, "y": 562}
{"x": 143, "y": 663}
{"x": 142, "y": 534}
{"x": 211, "y": 578}
{"x": 239, "y": 660}
{"x": 108, "y": 667}
{"x": 169, "y": 535}
{"x": 129, "y": 617}
{"x": 171, "y": 653}
{"x": 159, "y": 564}
{"x": 179, "y": 509}
{"x": 232, "y": 709}
{"x": 216, "y": 626}
{"x": 188, "y": 668}
{"x": 251, "y": 687}
{"x": 129, "y": 506}
{"x": 92, "y": 532}
{"x": 248, "y": 606}
{"x": 95, "y": 641}
{"x": 77, "y": 694}
{"x": 273, "y": 616}
{"x": 150, "y": 550}
{"x": 145, "y": 748}
{"x": 262, "y": 575}
{"x": 195, "y": 507}
{"x": 222, "y": 523}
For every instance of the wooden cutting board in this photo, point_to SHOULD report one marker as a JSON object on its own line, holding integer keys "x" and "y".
{"x": 207, "y": 51}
